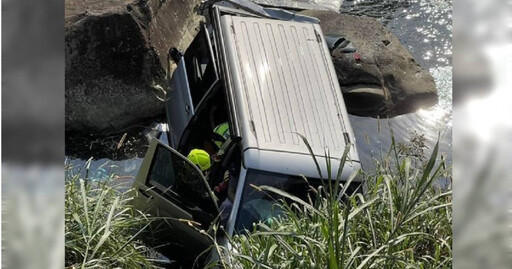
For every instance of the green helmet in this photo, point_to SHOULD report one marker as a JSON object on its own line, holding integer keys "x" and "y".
{"x": 200, "y": 158}
{"x": 222, "y": 130}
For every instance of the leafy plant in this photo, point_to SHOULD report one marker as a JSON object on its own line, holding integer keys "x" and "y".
{"x": 101, "y": 227}
{"x": 414, "y": 148}
{"x": 400, "y": 221}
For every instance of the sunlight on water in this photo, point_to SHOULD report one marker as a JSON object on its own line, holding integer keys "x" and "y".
{"x": 440, "y": 115}
{"x": 373, "y": 135}
{"x": 424, "y": 28}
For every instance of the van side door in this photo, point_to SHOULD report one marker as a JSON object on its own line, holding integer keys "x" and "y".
{"x": 178, "y": 104}
{"x": 173, "y": 189}
{"x": 194, "y": 76}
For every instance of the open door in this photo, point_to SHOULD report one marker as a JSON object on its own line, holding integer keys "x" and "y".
{"x": 169, "y": 186}
{"x": 194, "y": 77}
{"x": 178, "y": 104}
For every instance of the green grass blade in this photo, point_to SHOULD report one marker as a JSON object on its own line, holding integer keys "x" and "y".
{"x": 304, "y": 139}
{"x": 291, "y": 197}
{"x": 387, "y": 181}
{"x": 85, "y": 208}
{"x": 367, "y": 259}
{"x": 344, "y": 239}
{"x": 361, "y": 207}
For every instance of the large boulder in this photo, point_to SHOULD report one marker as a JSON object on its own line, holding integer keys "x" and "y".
{"x": 117, "y": 59}
{"x": 381, "y": 78}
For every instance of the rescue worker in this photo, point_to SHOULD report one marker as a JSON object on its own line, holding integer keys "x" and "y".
{"x": 201, "y": 159}
{"x": 221, "y": 189}
{"x": 222, "y": 130}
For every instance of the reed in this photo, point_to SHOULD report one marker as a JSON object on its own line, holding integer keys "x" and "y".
{"x": 401, "y": 220}
{"x": 101, "y": 227}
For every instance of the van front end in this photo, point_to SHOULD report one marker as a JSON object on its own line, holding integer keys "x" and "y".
{"x": 292, "y": 173}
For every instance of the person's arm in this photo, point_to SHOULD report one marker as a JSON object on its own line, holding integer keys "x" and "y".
{"x": 223, "y": 185}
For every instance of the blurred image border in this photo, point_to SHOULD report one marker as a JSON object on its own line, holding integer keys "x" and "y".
{"x": 32, "y": 133}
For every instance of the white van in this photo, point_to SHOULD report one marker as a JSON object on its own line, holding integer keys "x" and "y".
{"x": 270, "y": 80}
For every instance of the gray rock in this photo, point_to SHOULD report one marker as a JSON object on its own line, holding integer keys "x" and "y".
{"x": 381, "y": 78}
{"x": 116, "y": 59}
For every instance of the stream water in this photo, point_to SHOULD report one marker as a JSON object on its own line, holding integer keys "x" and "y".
{"x": 425, "y": 29}
{"x": 423, "y": 26}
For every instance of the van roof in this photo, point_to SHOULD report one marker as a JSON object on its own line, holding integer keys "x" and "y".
{"x": 285, "y": 84}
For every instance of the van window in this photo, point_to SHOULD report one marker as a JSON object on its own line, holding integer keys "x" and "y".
{"x": 200, "y": 66}
{"x": 172, "y": 175}
{"x": 199, "y": 133}
{"x": 258, "y": 206}
{"x": 161, "y": 174}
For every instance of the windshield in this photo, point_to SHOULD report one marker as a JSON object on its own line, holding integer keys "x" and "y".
{"x": 258, "y": 206}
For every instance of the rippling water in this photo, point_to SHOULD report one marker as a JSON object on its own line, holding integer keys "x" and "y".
{"x": 425, "y": 28}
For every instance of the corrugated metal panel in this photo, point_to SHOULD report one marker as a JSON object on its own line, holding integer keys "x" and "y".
{"x": 288, "y": 86}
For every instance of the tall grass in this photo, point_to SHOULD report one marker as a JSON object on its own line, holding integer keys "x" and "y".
{"x": 400, "y": 221}
{"x": 100, "y": 227}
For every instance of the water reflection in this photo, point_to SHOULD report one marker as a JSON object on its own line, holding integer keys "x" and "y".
{"x": 373, "y": 135}
{"x": 424, "y": 27}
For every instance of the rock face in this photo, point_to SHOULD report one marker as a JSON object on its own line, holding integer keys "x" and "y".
{"x": 116, "y": 59}
{"x": 117, "y": 62}
{"x": 381, "y": 78}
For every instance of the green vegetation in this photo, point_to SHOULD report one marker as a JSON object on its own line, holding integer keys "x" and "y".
{"x": 100, "y": 228}
{"x": 401, "y": 221}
